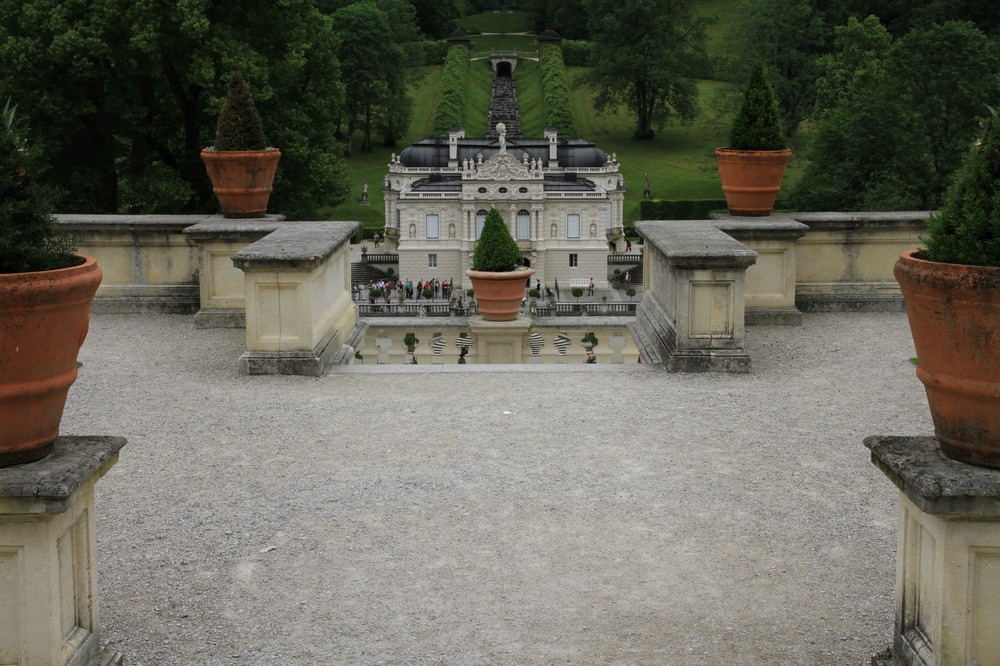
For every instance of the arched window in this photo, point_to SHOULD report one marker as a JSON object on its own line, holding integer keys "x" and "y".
{"x": 523, "y": 225}
{"x": 480, "y": 221}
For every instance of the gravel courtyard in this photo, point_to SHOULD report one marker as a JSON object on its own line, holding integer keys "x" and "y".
{"x": 498, "y": 515}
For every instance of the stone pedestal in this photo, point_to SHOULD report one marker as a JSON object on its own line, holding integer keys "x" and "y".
{"x": 499, "y": 341}
{"x": 48, "y": 568}
{"x": 947, "y": 558}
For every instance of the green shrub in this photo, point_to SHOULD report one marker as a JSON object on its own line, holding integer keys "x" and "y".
{"x": 389, "y": 271}
{"x": 756, "y": 126}
{"x": 496, "y": 250}
{"x": 375, "y": 291}
{"x": 470, "y": 292}
{"x": 239, "y": 126}
{"x": 967, "y": 230}
{"x": 577, "y": 292}
{"x": 590, "y": 337}
{"x": 28, "y": 237}
{"x": 534, "y": 293}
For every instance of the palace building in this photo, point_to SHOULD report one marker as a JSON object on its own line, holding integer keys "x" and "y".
{"x": 562, "y": 199}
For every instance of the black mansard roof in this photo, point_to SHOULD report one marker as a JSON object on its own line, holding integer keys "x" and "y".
{"x": 572, "y": 153}
{"x": 550, "y": 184}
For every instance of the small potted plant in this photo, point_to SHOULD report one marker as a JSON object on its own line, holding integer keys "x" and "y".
{"x": 497, "y": 280}
{"x": 240, "y": 165}
{"x": 952, "y": 295}
{"x": 752, "y": 166}
{"x": 45, "y": 294}
{"x": 411, "y": 341}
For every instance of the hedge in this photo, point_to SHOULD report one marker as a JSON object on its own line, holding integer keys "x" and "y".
{"x": 555, "y": 91}
{"x": 576, "y": 53}
{"x": 427, "y": 52}
{"x": 451, "y": 100}
{"x": 684, "y": 209}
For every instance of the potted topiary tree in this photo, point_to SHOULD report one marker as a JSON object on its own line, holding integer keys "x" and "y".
{"x": 497, "y": 280}
{"x": 45, "y": 295}
{"x": 952, "y": 295}
{"x": 240, "y": 165}
{"x": 752, "y": 166}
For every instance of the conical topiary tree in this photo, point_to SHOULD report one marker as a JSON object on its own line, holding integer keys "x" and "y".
{"x": 756, "y": 126}
{"x": 29, "y": 240}
{"x": 239, "y": 126}
{"x": 967, "y": 230}
{"x": 496, "y": 250}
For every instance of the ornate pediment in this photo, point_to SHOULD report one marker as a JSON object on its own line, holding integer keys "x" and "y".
{"x": 502, "y": 166}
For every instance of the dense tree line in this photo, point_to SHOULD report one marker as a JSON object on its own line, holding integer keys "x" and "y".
{"x": 555, "y": 90}
{"x": 120, "y": 97}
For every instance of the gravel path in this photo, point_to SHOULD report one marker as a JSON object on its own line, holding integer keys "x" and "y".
{"x": 612, "y": 515}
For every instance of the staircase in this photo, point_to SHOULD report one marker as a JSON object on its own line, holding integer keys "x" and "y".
{"x": 364, "y": 272}
{"x": 504, "y": 108}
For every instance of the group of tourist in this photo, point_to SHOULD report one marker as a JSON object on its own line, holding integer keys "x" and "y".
{"x": 405, "y": 289}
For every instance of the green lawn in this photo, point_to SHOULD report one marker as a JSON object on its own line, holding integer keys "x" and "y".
{"x": 477, "y": 98}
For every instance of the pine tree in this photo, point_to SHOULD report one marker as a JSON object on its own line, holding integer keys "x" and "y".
{"x": 967, "y": 230}
{"x": 239, "y": 126}
{"x": 29, "y": 240}
{"x": 496, "y": 250}
{"x": 756, "y": 126}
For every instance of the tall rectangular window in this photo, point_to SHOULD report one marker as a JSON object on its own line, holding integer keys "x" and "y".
{"x": 523, "y": 225}
{"x": 432, "y": 226}
{"x": 573, "y": 258}
{"x": 432, "y": 261}
{"x": 573, "y": 226}
{"x": 480, "y": 222}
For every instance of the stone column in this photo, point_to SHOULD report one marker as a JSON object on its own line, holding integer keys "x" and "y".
{"x": 48, "y": 559}
{"x": 947, "y": 557}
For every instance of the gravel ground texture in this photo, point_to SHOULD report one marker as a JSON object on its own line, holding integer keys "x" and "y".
{"x": 588, "y": 515}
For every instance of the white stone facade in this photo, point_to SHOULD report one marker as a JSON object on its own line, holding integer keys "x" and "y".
{"x": 436, "y": 196}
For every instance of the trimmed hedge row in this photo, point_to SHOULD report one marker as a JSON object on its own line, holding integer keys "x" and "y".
{"x": 427, "y": 52}
{"x": 555, "y": 91}
{"x": 685, "y": 209}
{"x": 689, "y": 209}
{"x": 451, "y": 100}
{"x": 576, "y": 53}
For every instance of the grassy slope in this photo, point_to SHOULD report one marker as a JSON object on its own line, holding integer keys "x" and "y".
{"x": 373, "y": 165}
{"x": 679, "y": 160}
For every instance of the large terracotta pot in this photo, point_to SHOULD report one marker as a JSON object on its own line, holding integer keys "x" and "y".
{"x": 241, "y": 179}
{"x": 44, "y": 318}
{"x": 751, "y": 179}
{"x": 499, "y": 294}
{"x": 954, "y": 313}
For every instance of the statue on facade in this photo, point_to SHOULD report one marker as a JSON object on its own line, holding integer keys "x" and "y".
{"x": 502, "y": 137}
{"x": 364, "y": 192}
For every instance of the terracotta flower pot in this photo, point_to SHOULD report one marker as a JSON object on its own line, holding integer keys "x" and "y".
{"x": 242, "y": 179}
{"x": 954, "y": 313}
{"x": 751, "y": 179}
{"x": 499, "y": 294}
{"x": 44, "y": 317}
